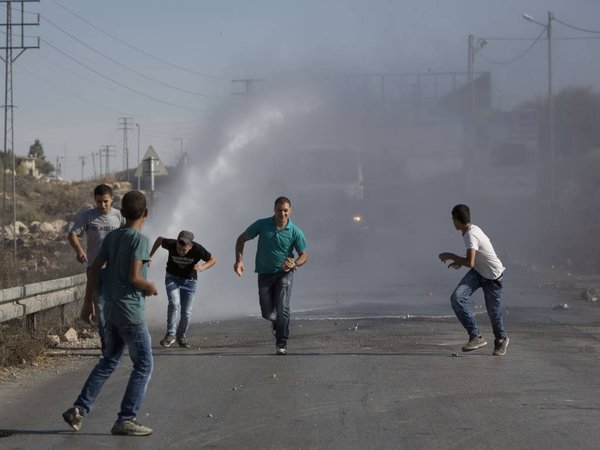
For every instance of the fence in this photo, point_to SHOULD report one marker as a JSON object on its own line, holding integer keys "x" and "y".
{"x": 47, "y": 298}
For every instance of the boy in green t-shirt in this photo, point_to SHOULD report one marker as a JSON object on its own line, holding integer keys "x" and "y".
{"x": 125, "y": 252}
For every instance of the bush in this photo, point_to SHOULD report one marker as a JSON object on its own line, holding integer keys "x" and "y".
{"x": 50, "y": 201}
{"x": 18, "y": 347}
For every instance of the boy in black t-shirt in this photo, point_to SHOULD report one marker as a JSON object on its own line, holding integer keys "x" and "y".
{"x": 180, "y": 280}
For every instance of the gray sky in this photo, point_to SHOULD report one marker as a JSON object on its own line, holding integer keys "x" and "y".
{"x": 75, "y": 110}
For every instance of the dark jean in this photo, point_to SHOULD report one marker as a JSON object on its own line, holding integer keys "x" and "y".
{"x": 99, "y": 305}
{"x": 180, "y": 293}
{"x": 274, "y": 291}
{"x": 137, "y": 340}
{"x": 492, "y": 291}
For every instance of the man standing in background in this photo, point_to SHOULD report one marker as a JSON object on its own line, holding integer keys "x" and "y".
{"x": 96, "y": 223}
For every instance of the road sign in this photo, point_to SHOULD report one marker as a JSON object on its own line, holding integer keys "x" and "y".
{"x": 144, "y": 167}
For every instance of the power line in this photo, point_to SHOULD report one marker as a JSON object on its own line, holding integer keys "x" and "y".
{"x": 69, "y": 92}
{"x": 117, "y": 82}
{"x": 566, "y": 38}
{"x": 491, "y": 38}
{"x": 141, "y": 74}
{"x": 585, "y": 30}
{"x": 515, "y": 58}
{"x": 149, "y": 55}
{"x": 538, "y": 39}
{"x": 78, "y": 75}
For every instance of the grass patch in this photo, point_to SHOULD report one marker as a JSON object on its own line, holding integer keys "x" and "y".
{"x": 19, "y": 347}
{"x": 42, "y": 259}
{"x": 39, "y": 261}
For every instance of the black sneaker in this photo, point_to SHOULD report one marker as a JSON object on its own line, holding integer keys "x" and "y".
{"x": 168, "y": 340}
{"x": 474, "y": 344}
{"x": 500, "y": 346}
{"x": 274, "y": 328}
{"x": 182, "y": 341}
{"x": 73, "y": 417}
{"x": 281, "y": 349}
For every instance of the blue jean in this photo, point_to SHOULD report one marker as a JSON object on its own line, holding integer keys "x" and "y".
{"x": 492, "y": 291}
{"x": 180, "y": 293}
{"x": 137, "y": 340}
{"x": 274, "y": 291}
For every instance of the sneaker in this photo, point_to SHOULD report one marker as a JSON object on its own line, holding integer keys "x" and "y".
{"x": 474, "y": 344}
{"x": 73, "y": 417}
{"x": 168, "y": 340}
{"x": 182, "y": 341}
{"x": 500, "y": 346}
{"x": 130, "y": 427}
{"x": 281, "y": 350}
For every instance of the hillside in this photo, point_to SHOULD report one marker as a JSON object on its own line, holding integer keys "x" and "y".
{"x": 45, "y": 212}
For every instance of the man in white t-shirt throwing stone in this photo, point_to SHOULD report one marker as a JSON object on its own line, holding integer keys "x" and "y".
{"x": 486, "y": 272}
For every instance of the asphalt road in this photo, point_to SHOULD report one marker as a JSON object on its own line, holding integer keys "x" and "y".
{"x": 355, "y": 378}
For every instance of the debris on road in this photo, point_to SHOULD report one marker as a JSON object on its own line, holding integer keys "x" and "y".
{"x": 70, "y": 335}
{"x": 590, "y": 294}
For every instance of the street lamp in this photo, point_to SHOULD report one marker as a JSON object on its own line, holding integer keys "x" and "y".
{"x": 138, "y": 155}
{"x": 548, "y": 27}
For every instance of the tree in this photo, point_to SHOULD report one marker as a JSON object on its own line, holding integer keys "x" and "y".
{"x": 44, "y": 167}
{"x": 36, "y": 150}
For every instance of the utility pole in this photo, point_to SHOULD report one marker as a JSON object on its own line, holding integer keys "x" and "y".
{"x": 58, "y": 170}
{"x": 94, "y": 164}
{"x": 108, "y": 150}
{"x": 180, "y": 150}
{"x": 82, "y": 158}
{"x": 247, "y": 85}
{"x": 548, "y": 26}
{"x": 138, "y": 155}
{"x": 125, "y": 124}
{"x": 12, "y": 29}
{"x": 152, "y": 171}
{"x": 474, "y": 47}
{"x": 551, "y": 110}
{"x": 100, "y": 162}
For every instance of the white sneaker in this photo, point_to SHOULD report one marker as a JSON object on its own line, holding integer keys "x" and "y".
{"x": 281, "y": 350}
{"x": 474, "y": 344}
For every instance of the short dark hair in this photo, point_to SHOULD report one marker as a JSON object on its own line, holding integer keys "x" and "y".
{"x": 133, "y": 205}
{"x": 462, "y": 214}
{"x": 282, "y": 199}
{"x": 103, "y": 189}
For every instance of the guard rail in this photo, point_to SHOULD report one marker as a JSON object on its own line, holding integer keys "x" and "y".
{"x": 22, "y": 301}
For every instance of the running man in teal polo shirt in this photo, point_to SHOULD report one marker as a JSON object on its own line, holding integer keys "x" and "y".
{"x": 278, "y": 237}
